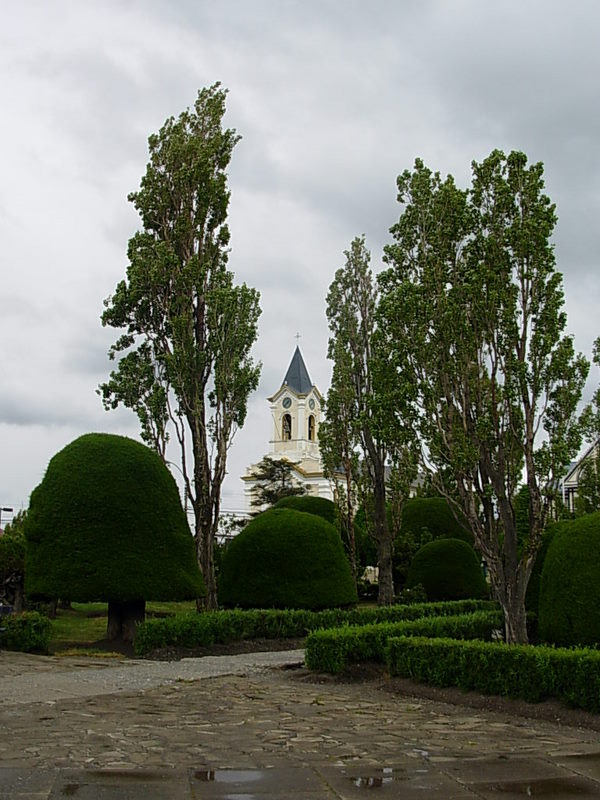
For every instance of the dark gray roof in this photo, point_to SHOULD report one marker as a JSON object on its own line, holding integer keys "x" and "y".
{"x": 297, "y": 377}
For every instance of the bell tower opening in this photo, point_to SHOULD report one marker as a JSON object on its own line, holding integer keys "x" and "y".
{"x": 286, "y": 428}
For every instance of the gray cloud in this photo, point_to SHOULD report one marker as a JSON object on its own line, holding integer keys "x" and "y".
{"x": 333, "y": 100}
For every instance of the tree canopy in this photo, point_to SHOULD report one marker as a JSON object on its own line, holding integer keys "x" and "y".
{"x": 185, "y": 356}
{"x": 365, "y": 429}
{"x": 274, "y": 480}
{"x": 473, "y": 310}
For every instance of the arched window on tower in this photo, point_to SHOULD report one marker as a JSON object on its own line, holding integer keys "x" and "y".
{"x": 286, "y": 428}
{"x": 311, "y": 428}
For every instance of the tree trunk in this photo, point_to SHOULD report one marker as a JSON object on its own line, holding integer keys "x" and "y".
{"x": 385, "y": 596}
{"x": 123, "y": 619}
{"x": 509, "y": 588}
{"x": 204, "y": 550}
{"x": 350, "y": 521}
{"x": 515, "y": 623}
{"x": 19, "y": 600}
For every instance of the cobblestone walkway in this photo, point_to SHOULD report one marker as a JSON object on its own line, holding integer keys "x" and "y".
{"x": 245, "y": 727}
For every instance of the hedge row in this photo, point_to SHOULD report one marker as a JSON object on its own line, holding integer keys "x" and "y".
{"x": 332, "y": 650}
{"x": 523, "y": 671}
{"x": 28, "y": 632}
{"x": 200, "y": 630}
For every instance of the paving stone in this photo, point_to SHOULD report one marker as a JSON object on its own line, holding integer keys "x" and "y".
{"x": 149, "y": 730}
{"x": 25, "y": 783}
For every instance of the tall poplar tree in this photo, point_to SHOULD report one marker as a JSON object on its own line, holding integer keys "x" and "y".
{"x": 473, "y": 308}
{"x": 365, "y": 429}
{"x": 189, "y": 328}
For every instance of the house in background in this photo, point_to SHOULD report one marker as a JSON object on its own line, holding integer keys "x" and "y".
{"x": 570, "y": 483}
{"x": 296, "y": 411}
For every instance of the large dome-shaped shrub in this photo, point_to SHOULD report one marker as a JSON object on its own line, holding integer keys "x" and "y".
{"x": 320, "y": 506}
{"x": 569, "y": 600}
{"x": 286, "y": 559}
{"x": 448, "y": 569}
{"x": 106, "y": 523}
{"x": 435, "y": 515}
{"x": 532, "y": 597}
{"x": 326, "y": 509}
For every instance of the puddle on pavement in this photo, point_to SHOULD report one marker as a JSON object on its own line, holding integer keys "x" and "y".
{"x": 545, "y": 787}
{"x": 376, "y": 781}
{"x": 230, "y": 775}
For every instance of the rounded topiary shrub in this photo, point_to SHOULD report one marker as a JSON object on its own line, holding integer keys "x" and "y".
{"x": 106, "y": 523}
{"x": 363, "y": 544}
{"x": 286, "y": 559}
{"x": 533, "y": 587}
{"x": 310, "y": 505}
{"x": 569, "y": 599}
{"x": 448, "y": 569}
{"x": 424, "y": 519}
{"x": 435, "y": 515}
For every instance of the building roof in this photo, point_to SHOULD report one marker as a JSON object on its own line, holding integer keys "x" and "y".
{"x": 297, "y": 377}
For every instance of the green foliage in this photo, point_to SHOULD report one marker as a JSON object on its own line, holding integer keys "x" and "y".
{"x": 365, "y": 409}
{"x": 187, "y": 328}
{"x": 588, "y": 485}
{"x": 12, "y": 553}
{"x": 311, "y": 505}
{"x": 448, "y": 569}
{"x": 434, "y": 515}
{"x": 199, "y": 630}
{"x": 569, "y": 598}
{"x": 532, "y": 598}
{"x": 366, "y": 547}
{"x": 472, "y": 307}
{"x": 530, "y": 673}
{"x": 333, "y": 650}
{"x": 28, "y": 632}
{"x": 424, "y": 519}
{"x": 286, "y": 559}
{"x": 275, "y": 481}
{"x": 106, "y": 523}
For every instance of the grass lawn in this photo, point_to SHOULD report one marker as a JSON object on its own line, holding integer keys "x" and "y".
{"x": 85, "y": 623}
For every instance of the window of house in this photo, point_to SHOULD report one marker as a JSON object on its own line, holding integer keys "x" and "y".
{"x": 311, "y": 428}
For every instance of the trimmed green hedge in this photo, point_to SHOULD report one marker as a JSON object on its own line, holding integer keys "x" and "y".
{"x": 200, "y": 630}
{"x": 528, "y": 672}
{"x": 448, "y": 569}
{"x": 333, "y": 650}
{"x": 286, "y": 559}
{"x": 28, "y": 632}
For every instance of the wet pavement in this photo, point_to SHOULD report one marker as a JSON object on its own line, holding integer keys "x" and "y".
{"x": 257, "y": 726}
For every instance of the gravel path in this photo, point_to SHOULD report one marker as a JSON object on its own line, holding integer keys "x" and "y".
{"x": 33, "y": 679}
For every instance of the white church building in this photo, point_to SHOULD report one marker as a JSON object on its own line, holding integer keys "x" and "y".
{"x": 296, "y": 409}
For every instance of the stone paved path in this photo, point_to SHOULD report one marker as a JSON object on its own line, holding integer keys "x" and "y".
{"x": 244, "y": 727}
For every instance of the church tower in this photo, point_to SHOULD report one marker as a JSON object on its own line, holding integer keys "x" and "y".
{"x": 296, "y": 414}
{"x": 296, "y": 409}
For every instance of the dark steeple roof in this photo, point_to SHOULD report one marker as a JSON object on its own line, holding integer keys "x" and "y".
{"x": 297, "y": 377}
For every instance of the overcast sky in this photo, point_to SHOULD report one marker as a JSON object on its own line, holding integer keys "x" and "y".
{"x": 332, "y": 98}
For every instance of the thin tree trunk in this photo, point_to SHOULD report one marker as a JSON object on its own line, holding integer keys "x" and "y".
{"x": 205, "y": 554}
{"x": 19, "y": 601}
{"x": 509, "y": 589}
{"x": 383, "y": 539}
